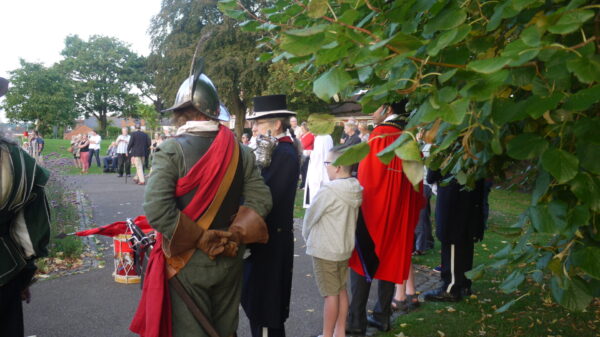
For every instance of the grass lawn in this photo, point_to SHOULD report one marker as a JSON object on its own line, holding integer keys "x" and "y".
{"x": 534, "y": 315}
{"x": 60, "y": 146}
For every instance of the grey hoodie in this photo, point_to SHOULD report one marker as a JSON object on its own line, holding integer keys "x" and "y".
{"x": 330, "y": 222}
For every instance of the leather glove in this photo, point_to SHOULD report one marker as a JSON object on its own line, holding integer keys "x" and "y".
{"x": 231, "y": 248}
{"x": 212, "y": 242}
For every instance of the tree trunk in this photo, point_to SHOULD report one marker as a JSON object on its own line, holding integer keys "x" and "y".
{"x": 103, "y": 123}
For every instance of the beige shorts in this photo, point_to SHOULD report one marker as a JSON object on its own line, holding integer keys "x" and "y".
{"x": 330, "y": 276}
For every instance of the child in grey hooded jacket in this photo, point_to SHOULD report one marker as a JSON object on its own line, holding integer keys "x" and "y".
{"x": 328, "y": 229}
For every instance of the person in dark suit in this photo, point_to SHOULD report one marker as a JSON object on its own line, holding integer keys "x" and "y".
{"x": 459, "y": 224}
{"x": 139, "y": 145}
{"x": 268, "y": 271}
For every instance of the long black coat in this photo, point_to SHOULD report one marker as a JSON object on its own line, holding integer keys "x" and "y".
{"x": 139, "y": 144}
{"x": 268, "y": 271}
{"x": 458, "y": 212}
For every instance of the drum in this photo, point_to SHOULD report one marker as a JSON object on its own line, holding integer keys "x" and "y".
{"x": 124, "y": 260}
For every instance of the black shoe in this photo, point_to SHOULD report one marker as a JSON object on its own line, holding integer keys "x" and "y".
{"x": 355, "y": 332}
{"x": 466, "y": 292}
{"x": 411, "y": 303}
{"x": 374, "y": 322}
{"x": 441, "y": 295}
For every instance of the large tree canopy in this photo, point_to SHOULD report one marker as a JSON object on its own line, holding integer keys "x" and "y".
{"x": 42, "y": 95}
{"x": 495, "y": 83}
{"x": 230, "y": 55}
{"x": 103, "y": 71}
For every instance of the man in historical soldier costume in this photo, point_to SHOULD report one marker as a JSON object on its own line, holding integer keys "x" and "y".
{"x": 207, "y": 200}
{"x": 24, "y": 228}
{"x": 386, "y": 225}
{"x": 268, "y": 270}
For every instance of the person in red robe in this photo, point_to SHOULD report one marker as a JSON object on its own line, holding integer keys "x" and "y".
{"x": 386, "y": 225}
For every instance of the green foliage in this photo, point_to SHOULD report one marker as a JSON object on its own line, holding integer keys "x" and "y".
{"x": 103, "y": 72}
{"x": 497, "y": 83}
{"x": 42, "y": 95}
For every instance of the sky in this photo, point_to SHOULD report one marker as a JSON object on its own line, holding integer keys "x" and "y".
{"x": 35, "y": 30}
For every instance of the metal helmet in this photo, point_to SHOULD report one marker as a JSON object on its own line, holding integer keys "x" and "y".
{"x": 200, "y": 93}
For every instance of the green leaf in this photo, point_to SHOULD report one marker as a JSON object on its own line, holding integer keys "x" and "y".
{"x": 456, "y": 112}
{"x": 512, "y": 282}
{"x": 562, "y": 165}
{"x": 476, "y": 273}
{"x": 587, "y": 189}
{"x": 441, "y": 42}
{"x": 447, "y": 94}
{"x": 570, "y": 21}
{"x": 302, "y": 45}
{"x": 488, "y": 66}
{"x": 446, "y": 20}
{"x": 522, "y": 4}
{"x": 586, "y": 69}
{"x": 549, "y": 218}
{"x": 583, "y": 99}
{"x": 405, "y": 43}
{"x": 506, "y": 306}
{"x": 249, "y": 25}
{"x": 526, "y": 146}
{"x": 588, "y": 259}
{"x": 507, "y": 110}
{"x": 572, "y": 294}
{"x": 536, "y": 105}
{"x": 532, "y": 36}
{"x": 447, "y": 75}
{"x": 317, "y": 8}
{"x": 364, "y": 73}
{"x": 414, "y": 171}
{"x": 484, "y": 87}
{"x": 496, "y": 145}
{"x": 541, "y": 186}
{"x": 409, "y": 151}
{"x": 589, "y": 156}
{"x": 309, "y": 31}
{"x": 330, "y": 83}
{"x": 321, "y": 124}
{"x": 353, "y": 154}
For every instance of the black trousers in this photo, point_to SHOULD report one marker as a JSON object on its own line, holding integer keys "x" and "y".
{"x": 303, "y": 170}
{"x": 360, "y": 287}
{"x": 124, "y": 162}
{"x": 257, "y": 331}
{"x": 423, "y": 235}
{"x": 11, "y": 309}
{"x": 456, "y": 260}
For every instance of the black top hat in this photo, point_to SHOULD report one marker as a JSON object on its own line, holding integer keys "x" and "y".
{"x": 270, "y": 106}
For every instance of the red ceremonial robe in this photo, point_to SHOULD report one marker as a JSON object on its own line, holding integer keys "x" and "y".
{"x": 390, "y": 210}
{"x": 153, "y": 315}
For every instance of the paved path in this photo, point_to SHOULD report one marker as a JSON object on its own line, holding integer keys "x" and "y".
{"x": 92, "y": 304}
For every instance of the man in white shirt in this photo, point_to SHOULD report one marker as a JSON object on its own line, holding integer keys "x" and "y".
{"x": 122, "y": 157}
{"x": 95, "y": 140}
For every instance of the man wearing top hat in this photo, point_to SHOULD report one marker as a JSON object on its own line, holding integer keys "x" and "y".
{"x": 207, "y": 200}
{"x": 268, "y": 270}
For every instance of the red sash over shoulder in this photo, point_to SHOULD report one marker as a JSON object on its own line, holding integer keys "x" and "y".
{"x": 207, "y": 174}
{"x": 390, "y": 209}
{"x": 153, "y": 315}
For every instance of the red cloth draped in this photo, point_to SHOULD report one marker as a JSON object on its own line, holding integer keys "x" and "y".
{"x": 116, "y": 228}
{"x": 390, "y": 208}
{"x": 153, "y": 315}
{"x": 207, "y": 174}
